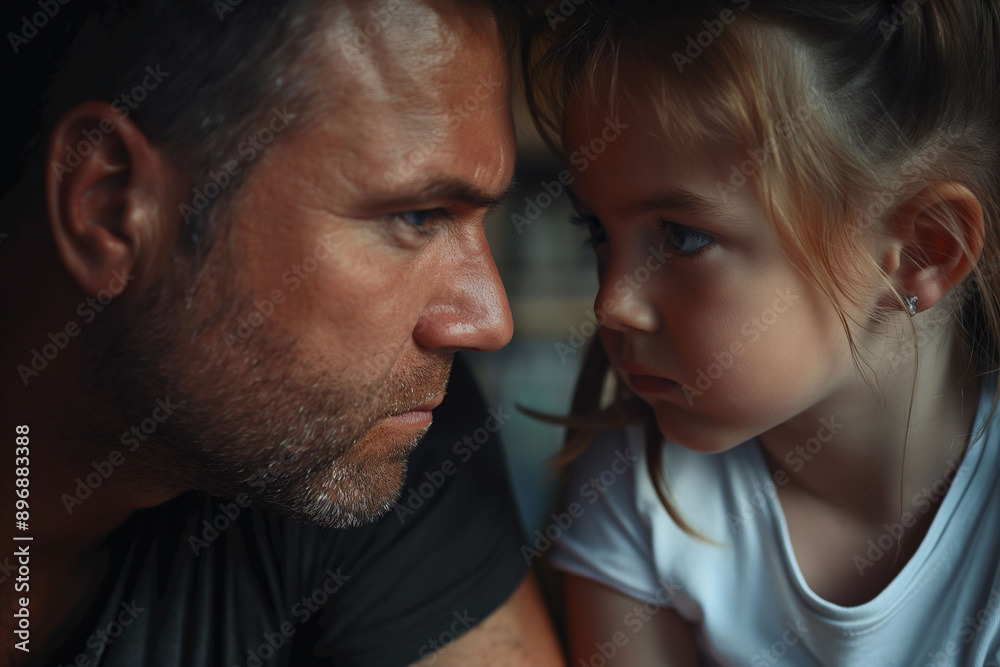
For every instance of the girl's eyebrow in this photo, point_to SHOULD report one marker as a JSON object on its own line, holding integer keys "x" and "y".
{"x": 681, "y": 200}
{"x": 577, "y": 202}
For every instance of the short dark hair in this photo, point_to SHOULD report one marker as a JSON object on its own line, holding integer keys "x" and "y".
{"x": 224, "y": 66}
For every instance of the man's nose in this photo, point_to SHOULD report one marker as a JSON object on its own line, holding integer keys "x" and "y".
{"x": 470, "y": 310}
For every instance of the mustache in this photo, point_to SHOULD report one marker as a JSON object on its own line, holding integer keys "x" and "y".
{"x": 420, "y": 384}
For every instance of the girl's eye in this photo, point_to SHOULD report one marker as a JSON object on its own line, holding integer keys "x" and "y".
{"x": 687, "y": 242}
{"x": 594, "y": 227}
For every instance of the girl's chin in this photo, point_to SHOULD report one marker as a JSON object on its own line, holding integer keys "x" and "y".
{"x": 696, "y": 435}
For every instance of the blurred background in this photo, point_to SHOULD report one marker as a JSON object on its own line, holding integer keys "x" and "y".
{"x": 551, "y": 279}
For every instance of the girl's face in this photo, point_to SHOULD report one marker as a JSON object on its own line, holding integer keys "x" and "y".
{"x": 704, "y": 316}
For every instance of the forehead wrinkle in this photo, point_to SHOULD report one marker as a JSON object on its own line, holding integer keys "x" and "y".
{"x": 421, "y": 44}
{"x": 401, "y": 90}
{"x": 403, "y": 71}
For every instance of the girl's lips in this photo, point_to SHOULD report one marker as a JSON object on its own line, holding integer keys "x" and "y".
{"x": 651, "y": 384}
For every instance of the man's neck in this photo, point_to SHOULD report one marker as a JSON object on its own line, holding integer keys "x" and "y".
{"x": 79, "y": 489}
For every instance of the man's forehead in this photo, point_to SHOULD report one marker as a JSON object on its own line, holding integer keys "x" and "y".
{"x": 421, "y": 94}
{"x": 405, "y": 49}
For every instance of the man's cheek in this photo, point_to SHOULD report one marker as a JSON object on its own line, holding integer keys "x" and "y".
{"x": 372, "y": 339}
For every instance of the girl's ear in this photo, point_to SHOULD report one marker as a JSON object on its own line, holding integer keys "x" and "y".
{"x": 105, "y": 192}
{"x": 937, "y": 238}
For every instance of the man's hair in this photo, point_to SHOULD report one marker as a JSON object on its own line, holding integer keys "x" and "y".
{"x": 209, "y": 74}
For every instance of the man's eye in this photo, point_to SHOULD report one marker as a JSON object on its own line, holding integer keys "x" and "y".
{"x": 594, "y": 227}
{"x": 686, "y": 241}
{"x": 421, "y": 218}
{"x": 424, "y": 221}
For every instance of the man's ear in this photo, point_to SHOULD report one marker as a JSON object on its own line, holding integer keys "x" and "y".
{"x": 105, "y": 185}
{"x": 938, "y": 237}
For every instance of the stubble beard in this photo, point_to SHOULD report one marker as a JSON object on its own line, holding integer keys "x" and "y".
{"x": 255, "y": 417}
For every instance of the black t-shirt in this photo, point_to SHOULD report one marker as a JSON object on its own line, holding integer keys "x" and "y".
{"x": 269, "y": 591}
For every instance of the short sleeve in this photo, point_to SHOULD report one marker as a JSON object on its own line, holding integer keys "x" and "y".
{"x": 608, "y": 540}
{"x": 444, "y": 559}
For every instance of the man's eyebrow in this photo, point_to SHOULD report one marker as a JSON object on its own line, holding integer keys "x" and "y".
{"x": 450, "y": 189}
{"x": 681, "y": 200}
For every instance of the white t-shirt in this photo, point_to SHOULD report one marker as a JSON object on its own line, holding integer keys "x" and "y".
{"x": 747, "y": 598}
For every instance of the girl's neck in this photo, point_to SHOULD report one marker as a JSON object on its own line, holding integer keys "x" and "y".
{"x": 853, "y": 451}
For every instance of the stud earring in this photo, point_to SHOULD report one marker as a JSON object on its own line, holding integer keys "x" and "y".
{"x": 911, "y": 305}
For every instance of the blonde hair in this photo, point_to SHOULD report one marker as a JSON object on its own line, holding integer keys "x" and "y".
{"x": 849, "y": 108}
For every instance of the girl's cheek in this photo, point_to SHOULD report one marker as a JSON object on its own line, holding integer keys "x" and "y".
{"x": 607, "y": 338}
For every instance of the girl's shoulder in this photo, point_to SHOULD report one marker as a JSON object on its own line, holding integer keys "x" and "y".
{"x": 615, "y": 469}
{"x": 613, "y": 527}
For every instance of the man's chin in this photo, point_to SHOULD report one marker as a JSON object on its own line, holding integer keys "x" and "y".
{"x": 358, "y": 488}
{"x": 340, "y": 499}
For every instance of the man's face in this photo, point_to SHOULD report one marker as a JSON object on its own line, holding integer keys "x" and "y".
{"x": 322, "y": 328}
